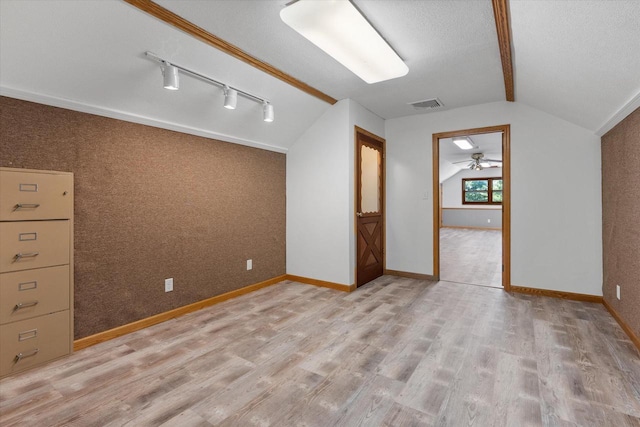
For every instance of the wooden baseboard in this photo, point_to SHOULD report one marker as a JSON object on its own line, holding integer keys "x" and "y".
{"x": 557, "y": 294}
{"x": 409, "y": 275}
{"x": 171, "y": 314}
{"x": 625, "y": 327}
{"x": 472, "y": 228}
{"x": 321, "y": 283}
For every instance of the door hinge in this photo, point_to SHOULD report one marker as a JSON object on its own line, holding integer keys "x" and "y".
{"x": 503, "y": 268}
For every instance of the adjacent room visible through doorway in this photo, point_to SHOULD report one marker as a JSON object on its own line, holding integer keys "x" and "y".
{"x": 471, "y": 256}
{"x": 472, "y": 182}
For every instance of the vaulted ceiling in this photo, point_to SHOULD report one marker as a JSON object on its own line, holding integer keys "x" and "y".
{"x": 576, "y": 60}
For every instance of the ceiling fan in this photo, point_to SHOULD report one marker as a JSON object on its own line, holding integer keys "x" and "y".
{"x": 478, "y": 162}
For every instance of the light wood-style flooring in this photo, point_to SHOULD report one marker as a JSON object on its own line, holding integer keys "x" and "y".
{"x": 471, "y": 256}
{"x": 396, "y": 352}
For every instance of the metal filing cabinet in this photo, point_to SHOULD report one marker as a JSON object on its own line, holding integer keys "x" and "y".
{"x": 36, "y": 267}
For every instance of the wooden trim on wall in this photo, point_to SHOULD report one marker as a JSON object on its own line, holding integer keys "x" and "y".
{"x": 321, "y": 283}
{"x": 437, "y": 212}
{"x": 557, "y": 294}
{"x": 501, "y": 15}
{"x": 506, "y": 208}
{"x": 471, "y": 228}
{"x": 171, "y": 314}
{"x": 506, "y": 195}
{"x": 472, "y": 209}
{"x": 625, "y": 327}
{"x": 409, "y": 275}
{"x": 440, "y": 202}
{"x": 201, "y": 34}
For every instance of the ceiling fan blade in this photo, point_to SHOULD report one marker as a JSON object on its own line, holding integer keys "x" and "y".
{"x": 464, "y": 161}
{"x": 493, "y": 160}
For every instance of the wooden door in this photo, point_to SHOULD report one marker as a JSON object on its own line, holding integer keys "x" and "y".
{"x": 369, "y": 207}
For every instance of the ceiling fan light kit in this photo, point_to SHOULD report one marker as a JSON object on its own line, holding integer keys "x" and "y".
{"x": 478, "y": 162}
{"x": 339, "y": 29}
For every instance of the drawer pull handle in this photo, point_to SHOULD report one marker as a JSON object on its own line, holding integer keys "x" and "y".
{"x": 24, "y": 305}
{"x": 29, "y": 353}
{"x": 19, "y": 256}
{"x": 26, "y": 206}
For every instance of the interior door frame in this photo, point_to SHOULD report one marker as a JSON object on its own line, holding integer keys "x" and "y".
{"x": 358, "y": 130}
{"x": 506, "y": 196}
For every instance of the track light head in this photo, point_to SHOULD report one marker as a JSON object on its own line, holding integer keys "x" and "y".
{"x": 267, "y": 112}
{"x": 171, "y": 77}
{"x": 230, "y": 98}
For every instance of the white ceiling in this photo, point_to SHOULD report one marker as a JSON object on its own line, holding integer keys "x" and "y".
{"x": 577, "y": 60}
{"x": 451, "y": 49}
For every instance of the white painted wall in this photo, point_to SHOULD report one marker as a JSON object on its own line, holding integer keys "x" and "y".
{"x": 452, "y": 188}
{"x": 320, "y": 194}
{"x": 558, "y": 248}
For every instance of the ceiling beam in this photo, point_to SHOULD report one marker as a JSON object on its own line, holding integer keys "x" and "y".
{"x": 501, "y": 15}
{"x": 201, "y": 34}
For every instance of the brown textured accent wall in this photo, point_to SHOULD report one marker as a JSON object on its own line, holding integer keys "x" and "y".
{"x": 152, "y": 204}
{"x": 621, "y": 218}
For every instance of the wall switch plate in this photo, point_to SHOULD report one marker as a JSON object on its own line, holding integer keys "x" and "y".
{"x": 168, "y": 285}
{"x": 489, "y": 220}
{"x": 618, "y": 291}
{"x": 249, "y": 264}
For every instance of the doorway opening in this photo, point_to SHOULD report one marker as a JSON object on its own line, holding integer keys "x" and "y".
{"x": 472, "y": 221}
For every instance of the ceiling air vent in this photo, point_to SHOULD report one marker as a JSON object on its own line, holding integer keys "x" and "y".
{"x": 427, "y": 104}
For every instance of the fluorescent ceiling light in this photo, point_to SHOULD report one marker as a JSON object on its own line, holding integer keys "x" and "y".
{"x": 464, "y": 143}
{"x": 339, "y": 29}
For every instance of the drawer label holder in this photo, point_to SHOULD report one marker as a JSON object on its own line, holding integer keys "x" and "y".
{"x": 25, "y": 237}
{"x": 27, "y": 286}
{"x": 32, "y": 188}
{"x": 27, "y": 335}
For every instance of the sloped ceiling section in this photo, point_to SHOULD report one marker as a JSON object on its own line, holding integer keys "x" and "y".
{"x": 450, "y": 47}
{"x": 89, "y": 56}
{"x": 578, "y": 60}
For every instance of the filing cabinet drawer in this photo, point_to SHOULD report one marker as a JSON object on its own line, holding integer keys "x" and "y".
{"x": 33, "y": 244}
{"x": 31, "y": 342}
{"x": 32, "y": 293}
{"x": 30, "y": 195}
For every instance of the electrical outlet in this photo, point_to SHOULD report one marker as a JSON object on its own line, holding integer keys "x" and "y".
{"x": 249, "y": 264}
{"x": 618, "y": 291}
{"x": 168, "y": 285}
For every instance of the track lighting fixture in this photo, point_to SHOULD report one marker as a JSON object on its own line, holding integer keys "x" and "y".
{"x": 267, "y": 112}
{"x": 171, "y": 77}
{"x": 171, "y": 81}
{"x": 230, "y": 98}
